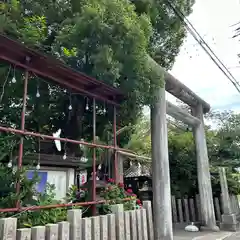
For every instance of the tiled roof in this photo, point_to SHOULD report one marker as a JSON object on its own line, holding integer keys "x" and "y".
{"x": 137, "y": 170}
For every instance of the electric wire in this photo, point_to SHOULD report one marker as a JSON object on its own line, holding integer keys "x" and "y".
{"x": 235, "y": 24}
{"x": 204, "y": 45}
{"x": 209, "y": 48}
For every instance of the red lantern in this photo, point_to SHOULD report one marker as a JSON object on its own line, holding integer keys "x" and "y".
{"x": 83, "y": 179}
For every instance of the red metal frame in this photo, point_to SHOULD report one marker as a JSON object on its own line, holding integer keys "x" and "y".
{"x": 20, "y": 154}
{"x": 94, "y": 210}
{"x": 34, "y": 208}
{"x": 43, "y": 136}
{"x": 29, "y": 60}
{"x": 54, "y": 70}
{"x": 115, "y": 143}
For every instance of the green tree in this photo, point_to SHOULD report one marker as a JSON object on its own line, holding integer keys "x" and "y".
{"x": 226, "y": 147}
{"x": 109, "y": 45}
{"x": 102, "y": 43}
{"x": 106, "y": 39}
{"x": 223, "y": 150}
{"x": 140, "y": 141}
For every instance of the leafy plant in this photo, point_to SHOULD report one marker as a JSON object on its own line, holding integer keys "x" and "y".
{"x": 28, "y": 197}
{"x": 43, "y": 216}
{"x": 115, "y": 194}
{"x": 74, "y": 195}
{"x": 8, "y": 194}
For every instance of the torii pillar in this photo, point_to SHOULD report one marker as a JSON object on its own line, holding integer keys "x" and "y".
{"x": 162, "y": 214}
{"x": 204, "y": 177}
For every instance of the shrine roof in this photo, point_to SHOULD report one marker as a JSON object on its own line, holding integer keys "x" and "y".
{"x": 48, "y": 67}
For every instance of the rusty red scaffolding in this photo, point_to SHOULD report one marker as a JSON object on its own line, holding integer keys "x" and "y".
{"x": 53, "y": 70}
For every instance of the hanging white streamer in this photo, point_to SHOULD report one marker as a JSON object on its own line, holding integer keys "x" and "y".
{"x": 57, "y": 142}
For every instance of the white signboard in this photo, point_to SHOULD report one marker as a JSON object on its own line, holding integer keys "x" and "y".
{"x": 62, "y": 179}
{"x": 59, "y": 179}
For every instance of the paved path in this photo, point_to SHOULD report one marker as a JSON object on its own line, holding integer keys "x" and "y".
{"x": 235, "y": 236}
{"x": 183, "y": 235}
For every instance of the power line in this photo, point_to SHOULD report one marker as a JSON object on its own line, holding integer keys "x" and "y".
{"x": 208, "y": 46}
{"x": 204, "y": 45}
{"x": 235, "y": 24}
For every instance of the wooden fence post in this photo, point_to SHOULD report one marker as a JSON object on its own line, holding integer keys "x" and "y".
{"x": 186, "y": 210}
{"x": 104, "y": 227}
{"x": 144, "y": 224}
{"x": 8, "y": 228}
{"x": 127, "y": 225}
{"x": 139, "y": 224}
{"x": 38, "y": 232}
{"x": 86, "y": 229}
{"x": 148, "y": 206}
{"x": 24, "y": 234}
{"x": 63, "y": 230}
{"x": 95, "y": 228}
{"x": 75, "y": 219}
{"x": 192, "y": 210}
{"x": 180, "y": 210}
{"x": 199, "y": 211}
{"x": 52, "y": 232}
{"x": 111, "y": 226}
{"x": 133, "y": 224}
{"x": 174, "y": 209}
{"x": 217, "y": 209}
{"x": 119, "y": 213}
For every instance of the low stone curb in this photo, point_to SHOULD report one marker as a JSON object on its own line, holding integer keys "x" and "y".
{"x": 215, "y": 236}
{"x": 234, "y": 236}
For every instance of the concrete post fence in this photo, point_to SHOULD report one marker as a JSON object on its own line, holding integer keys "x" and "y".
{"x": 120, "y": 225}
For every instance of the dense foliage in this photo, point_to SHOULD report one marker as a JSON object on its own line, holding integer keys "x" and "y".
{"x": 107, "y": 39}
{"x": 223, "y": 150}
{"x": 44, "y": 216}
{"x": 112, "y": 193}
{"x": 28, "y": 197}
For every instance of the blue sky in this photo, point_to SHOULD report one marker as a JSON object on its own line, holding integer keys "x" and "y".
{"x": 212, "y": 19}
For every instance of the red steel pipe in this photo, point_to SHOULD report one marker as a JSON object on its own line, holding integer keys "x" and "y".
{"x": 94, "y": 210}
{"x": 115, "y": 144}
{"x": 35, "y": 208}
{"x": 43, "y": 136}
{"x": 20, "y": 153}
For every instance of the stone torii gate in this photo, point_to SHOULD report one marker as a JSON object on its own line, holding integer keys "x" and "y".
{"x": 160, "y": 159}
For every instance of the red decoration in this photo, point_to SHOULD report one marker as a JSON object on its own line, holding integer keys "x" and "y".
{"x": 138, "y": 202}
{"x": 110, "y": 180}
{"x": 121, "y": 185}
{"x": 83, "y": 179}
{"x": 129, "y": 190}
